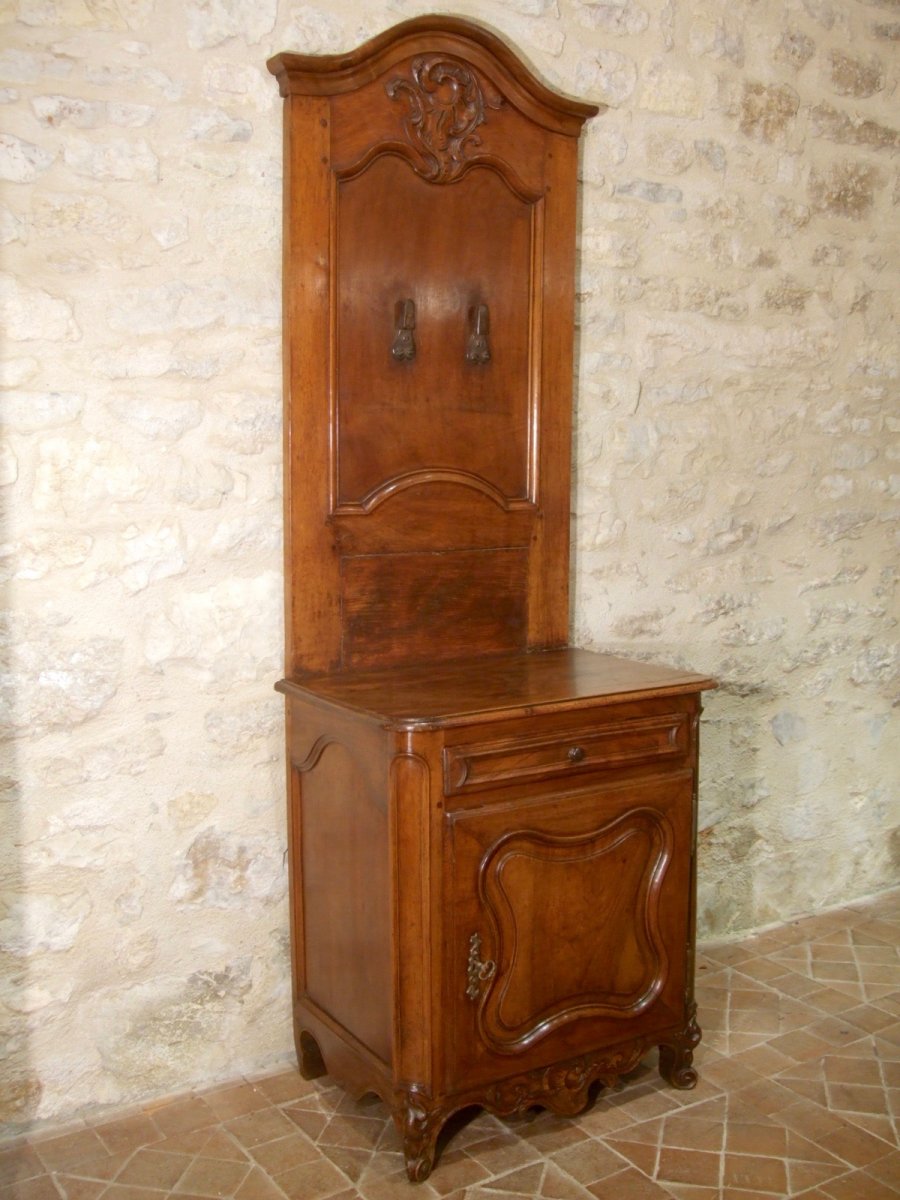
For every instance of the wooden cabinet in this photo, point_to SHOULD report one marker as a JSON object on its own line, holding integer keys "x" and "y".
{"x": 491, "y": 833}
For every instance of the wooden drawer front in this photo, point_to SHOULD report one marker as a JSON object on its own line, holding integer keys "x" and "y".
{"x": 625, "y": 744}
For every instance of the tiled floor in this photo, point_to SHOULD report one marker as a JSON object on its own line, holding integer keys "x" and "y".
{"x": 799, "y": 1096}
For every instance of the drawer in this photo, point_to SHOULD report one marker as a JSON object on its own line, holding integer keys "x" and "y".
{"x": 564, "y": 755}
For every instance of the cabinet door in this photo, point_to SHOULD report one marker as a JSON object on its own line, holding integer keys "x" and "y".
{"x": 569, "y": 919}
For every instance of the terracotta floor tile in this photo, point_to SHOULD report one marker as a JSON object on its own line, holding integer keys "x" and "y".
{"x": 267, "y": 1125}
{"x": 72, "y": 1188}
{"x": 692, "y": 1132}
{"x": 688, "y": 1166}
{"x": 859, "y": 1185}
{"x": 343, "y": 1130}
{"x": 124, "y": 1192}
{"x": 183, "y": 1116}
{"x": 524, "y": 1181}
{"x": 258, "y": 1186}
{"x": 57, "y": 1154}
{"x": 212, "y": 1177}
{"x": 642, "y": 1155}
{"x": 228, "y": 1102}
{"x": 557, "y": 1185}
{"x": 41, "y": 1187}
{"x": 629, "y": 1185}
{"x": 755, "y": 1173}
{"x": 284, "y": 1154}
{"x": 805, "y": 1175}
{"x": 153, "y": 1169}
{"x": 285, "y": 1086}
{"x": 588, "y": 1161}
{"x": 887, "y": 1169}
{"x": 104, "y": 1169}
{"x": 129, "y": 1133}
{"x": 18, "y": 1164}
{"x": 857, "y": 1147}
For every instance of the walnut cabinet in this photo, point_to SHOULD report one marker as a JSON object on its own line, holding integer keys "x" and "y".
{"x": 491, "y": 833}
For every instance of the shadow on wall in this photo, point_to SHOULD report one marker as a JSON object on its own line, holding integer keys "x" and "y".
{"x": 21, "y": 1091}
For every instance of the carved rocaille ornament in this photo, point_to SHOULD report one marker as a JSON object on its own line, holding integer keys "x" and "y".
{"x": 446, "y": 106}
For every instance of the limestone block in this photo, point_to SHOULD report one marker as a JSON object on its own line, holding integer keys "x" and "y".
{"x": 43, "y": 924}
{"x": 191, "y": 809}
{"x": 65, "y": 213}
{"x": 158, "y": 418}
{"x": 153, "y": 360}
{"x": 214, "y": 125}
{"x": 52, "y": 684}
{"x": 787, "y": 296}
{"x": 649, "y": 190}
{"x": 9, "y": 464}
{"x": 178, "y": 306}
{"x": 229, "y": 80}
{"x": 766, "y": 112}
{"x": 29, "y": 313}
{"x": 21, "y": 161}
{"x": 173, "y": 232}
{"x": 671, "y": 92}
{"x": 714, "y": 38}
{"x": 211, "y": 22}
{"x": 223, "y": 870}
{"x": 231, "y": 632}
{"x": 203, "y": 484}
{"x": 140, "y": 558}
{"x": 55, "y": 110}
{"x": 247, "y": 422}
{"x": 828, "y": 122}
{"x": 114, "y": 160}
{"x": 129, "y": 755}
{"x": 795, "y": 48}
{"x": 12, "y": 227}
{"x": 136, "y": 952}
{"x": 845, "y": 189}
{"x": 247, "y": 535}
{"x": 83, "y": 475}
{"x": 130, "y": 80}
{"x": 71, "y": 13}
{"x": 854, "y": 76}
{"x": 245, "y": 228}
{"x": 608, "y": 77}
{"x": 27, "y": 412}
{"x": 44, "y": 551}
{"x": 241, "y": 728}
{"x": 625, "y": 18}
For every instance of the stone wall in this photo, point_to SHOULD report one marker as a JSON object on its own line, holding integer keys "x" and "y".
{"x": 736, "y": 480}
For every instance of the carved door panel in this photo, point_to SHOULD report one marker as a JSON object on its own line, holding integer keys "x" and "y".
{"x": 569, "y": 924}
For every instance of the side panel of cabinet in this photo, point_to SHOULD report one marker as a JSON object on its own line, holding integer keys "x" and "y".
{"x": 340, "y": 881}
{"x": 570, "y": 923}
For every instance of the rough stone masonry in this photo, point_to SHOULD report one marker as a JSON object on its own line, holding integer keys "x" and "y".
{"x": 735, "y": 509}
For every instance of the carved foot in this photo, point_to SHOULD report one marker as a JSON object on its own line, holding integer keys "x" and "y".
{"x": 419, "y": 1123}
{"x": 309, "y": 1056}
{"x": 677, "y": 1055}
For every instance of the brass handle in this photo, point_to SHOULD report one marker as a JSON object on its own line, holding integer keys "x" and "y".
{"x": 477, "y": 349}
{"x": 478, "y": 972}
{"x": 576, "y": 754}
{"x": 403, "y": 347}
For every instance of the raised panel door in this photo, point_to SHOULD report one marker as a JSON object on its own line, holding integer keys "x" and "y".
{"x": 569, "y": 923}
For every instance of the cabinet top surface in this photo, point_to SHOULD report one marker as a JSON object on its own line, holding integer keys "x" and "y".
{"x": 433, "y": 695}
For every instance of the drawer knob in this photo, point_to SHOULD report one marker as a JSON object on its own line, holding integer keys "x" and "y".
{"x": 576, "y": 754}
